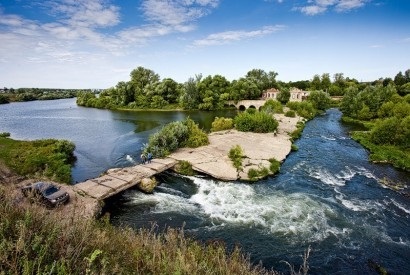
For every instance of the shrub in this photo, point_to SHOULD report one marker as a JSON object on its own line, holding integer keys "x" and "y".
{"x": 393, "y": 131}
{"x": 290, "y": 113}
{"x": 255, "y": 174}
{"x": 236, "y": 155}
{"x": 4, "y": 134}
{"x": 259, "y": 122}
{"x": 272, "y": 106}
{"x": 274, "y": 165}
{"x": 175, "y": 135}
{"x": 304, "y": 109}
{"x": 196, "y": 137}
{"x": 185, "y": 168}
{"x": 222, "y": 123}
{"x": 298, "y": 132}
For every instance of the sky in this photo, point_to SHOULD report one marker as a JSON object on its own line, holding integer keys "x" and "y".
{"x": 97, "y": 43}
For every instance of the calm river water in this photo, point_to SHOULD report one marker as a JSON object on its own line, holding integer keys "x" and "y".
{"x": 327, "y": 194}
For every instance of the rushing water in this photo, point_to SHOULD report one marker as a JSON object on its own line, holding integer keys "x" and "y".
{"x": 327, "y": 194}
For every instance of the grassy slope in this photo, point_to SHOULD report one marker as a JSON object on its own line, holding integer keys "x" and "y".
{"x": 38, "y": 241}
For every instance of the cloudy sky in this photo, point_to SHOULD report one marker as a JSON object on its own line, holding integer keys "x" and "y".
{"x": 96, "y": 43}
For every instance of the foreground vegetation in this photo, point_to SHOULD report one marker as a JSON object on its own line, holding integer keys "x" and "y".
{"x": 48, "y": 158}
{"x": 38, "y": 241}
{"x": 385, "y": 117}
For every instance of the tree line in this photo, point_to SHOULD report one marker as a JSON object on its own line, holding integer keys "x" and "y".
{"x": 29, "y": 94}
{"x": 145, "y": 89}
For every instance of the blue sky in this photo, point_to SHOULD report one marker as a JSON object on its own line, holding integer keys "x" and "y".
{"x": 96, "y": 43}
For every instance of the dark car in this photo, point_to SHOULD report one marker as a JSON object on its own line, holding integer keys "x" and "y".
{"x": 46, "y": 193}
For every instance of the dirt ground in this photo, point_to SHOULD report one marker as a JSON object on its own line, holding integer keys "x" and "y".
{"x": 78, "y": 205}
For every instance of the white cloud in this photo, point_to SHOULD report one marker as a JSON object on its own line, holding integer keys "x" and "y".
{"x": 232, "y": 36}
{"x": 347, "y": 5}
{"x": 85, "y": 13}
{"x": 312, "y": 10}
{"x": 177, "y": 12}
{"x": 314, "y": 7}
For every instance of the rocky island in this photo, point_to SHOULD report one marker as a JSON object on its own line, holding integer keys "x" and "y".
{"x": 258, "y": 148}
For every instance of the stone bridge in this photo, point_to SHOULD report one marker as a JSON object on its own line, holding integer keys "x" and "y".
{"x": 245, "y": 104}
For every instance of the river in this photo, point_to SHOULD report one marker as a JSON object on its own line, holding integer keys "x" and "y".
{"x": 327, "y": 195}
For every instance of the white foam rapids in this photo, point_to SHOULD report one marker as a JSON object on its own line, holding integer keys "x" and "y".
{"x": 231, "y": 204}
{"x": 284, "y": 214}
{"x": 339, "y": 178}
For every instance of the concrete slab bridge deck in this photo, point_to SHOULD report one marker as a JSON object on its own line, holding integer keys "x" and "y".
{"x": 117, "y": 180}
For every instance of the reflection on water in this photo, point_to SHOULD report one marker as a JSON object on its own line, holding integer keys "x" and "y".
{"x": 104, "y": 139}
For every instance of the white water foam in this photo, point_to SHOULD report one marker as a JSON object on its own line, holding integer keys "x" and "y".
{"x": 295, "y": 215}
{"x": 165, "y": 202}
{"x": 130, "y": 159}
{"x": 328, "y": 138}
{"x": 400, "y": 206}
{"x": 326, "y": 177}
{"x": 340, "y": 178}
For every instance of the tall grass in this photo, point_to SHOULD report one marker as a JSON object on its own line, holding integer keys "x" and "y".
{"x": 34, "y": 240}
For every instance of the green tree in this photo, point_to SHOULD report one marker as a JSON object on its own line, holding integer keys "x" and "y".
{"x": 325, "y": 82}
{"x": 316, "y": 83}
{"x": 319, "y": 99}
{"x": 400, "y": 79}
{"x": 284, "y": 96}
{"x": 244, "y": 88}
{"x": 262, "y": 79}
{"x": 210, "y": 89}
{"x": 191, "y": 98}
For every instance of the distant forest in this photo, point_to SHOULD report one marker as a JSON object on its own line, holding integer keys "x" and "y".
{"x": 29, "y": 94}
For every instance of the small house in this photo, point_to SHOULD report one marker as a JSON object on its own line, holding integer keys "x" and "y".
{"x": 271, "y": 93}
{"x": 298, "y": 94}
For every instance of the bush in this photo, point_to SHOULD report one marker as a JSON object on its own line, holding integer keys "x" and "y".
{"x": 294, "y": 147}
{"x": 304, "y": 109}
{"x": 259, "y": 122}
{"x": 274, "y": 165}
{"x": 272, "y": 106}
{"x": 255, "y": 174}
{"x": 184, "y": 167}
{"x": 5, "y": 134}
{"x": 196, "y": 137}
{"x": 290, "y": 113}
{"x": 393, "y": 131}
{"x": 222, "y": 123}
{"x": 298, "y": 132}
{"x": 236, "y": 155}
{"x": 175, "y": 135}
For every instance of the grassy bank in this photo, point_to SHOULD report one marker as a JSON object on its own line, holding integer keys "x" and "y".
{"x": 38, "y": 241}
{"x": 48, "y": 158}
{"x": 398, "y": 156}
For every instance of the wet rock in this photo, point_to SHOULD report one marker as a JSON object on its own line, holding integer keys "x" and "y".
{"x": 147, "y": 185}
